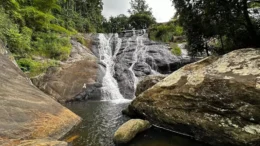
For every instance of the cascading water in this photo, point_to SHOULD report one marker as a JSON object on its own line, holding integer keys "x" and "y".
{"x": 127, "y": 58}
{"x": 109, "y": 90}
{"x": 138, "y": 54}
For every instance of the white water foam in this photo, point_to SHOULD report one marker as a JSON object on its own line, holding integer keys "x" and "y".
{"x": 139, "y": 54}
{"x": 110, "y": 90}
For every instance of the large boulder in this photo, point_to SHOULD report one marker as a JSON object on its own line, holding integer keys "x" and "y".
{"x": 26, "y": 112}
{"x": 128, "y": 131}
{"x": 147, "y": 83}
{"x": 73, "y": 77}
{"x": 216, "y": 100}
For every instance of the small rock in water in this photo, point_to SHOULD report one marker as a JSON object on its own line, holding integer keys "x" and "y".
{"x": 128, "y": 131}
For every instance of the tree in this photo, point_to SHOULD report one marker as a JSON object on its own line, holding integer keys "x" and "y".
{"x": 227, "y": 20}
{"x": 139, "y": 6}
{"x": 141, "y": 21}
{"x": 44, "y": 28}
{"x": 82, "y": 15}
{"x": 116, "y": 24}
{"x": 141, "y": 14}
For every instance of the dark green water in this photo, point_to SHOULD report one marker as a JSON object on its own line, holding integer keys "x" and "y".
{"x": 101, "y": 120}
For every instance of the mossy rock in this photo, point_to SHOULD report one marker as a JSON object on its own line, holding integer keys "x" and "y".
{"x": 128, "y": 131}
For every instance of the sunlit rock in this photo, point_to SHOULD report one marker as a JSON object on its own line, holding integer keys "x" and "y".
{"x": 128, "y": 131}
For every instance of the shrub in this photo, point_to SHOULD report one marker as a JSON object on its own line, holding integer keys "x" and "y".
{"x": 178, "y": 30}
{"x": 33, "y": 67}
{"x": 51, "y": 45}
{"x": 176, "y": 50}
{"x": 165, "y": 32}
{"x": 80, "y": 38}
{"x": 5, "y": 24}
{"x": 19, "y": 43}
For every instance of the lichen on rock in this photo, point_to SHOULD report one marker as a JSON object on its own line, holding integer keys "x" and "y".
{"x": 216, "y": 100}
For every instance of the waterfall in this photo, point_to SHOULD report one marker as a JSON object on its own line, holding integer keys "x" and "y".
{"x": 138, "y": 54}
{"x": 109, "y": 90}
{"x": 125, "y": 59}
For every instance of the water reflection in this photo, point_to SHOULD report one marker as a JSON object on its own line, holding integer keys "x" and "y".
{"x": 101, "y": 119}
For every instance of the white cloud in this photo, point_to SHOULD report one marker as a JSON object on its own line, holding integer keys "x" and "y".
{"x": 162, "y": 9}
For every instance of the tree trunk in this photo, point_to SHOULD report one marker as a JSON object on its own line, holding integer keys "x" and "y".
{"x": 249, "y": 24}
{"x": 207, "y": 49}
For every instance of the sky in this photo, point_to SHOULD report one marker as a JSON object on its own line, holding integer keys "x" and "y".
{"x": 163, "y": 10}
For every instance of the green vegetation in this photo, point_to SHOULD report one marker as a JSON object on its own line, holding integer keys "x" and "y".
{"x": 81, "y": 39}
{"x": 34, "y": 29}
{"x": 140, "y": 18}
{"x": 141, "y": 15}
{"x": 176, "y": 50}
{"x": 165, "y": 32}
{"x": 33, "y": 68}
{"x": 116, "y": 24}
{"x": 227, "y": 21}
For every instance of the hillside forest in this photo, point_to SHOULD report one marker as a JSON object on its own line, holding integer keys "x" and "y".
{"x": 38, "y": 32}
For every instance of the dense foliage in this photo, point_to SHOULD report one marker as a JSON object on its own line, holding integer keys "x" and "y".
{"x": 227, "y": 22}
{"x": 81, "y": 15}
{"x": 38, "y": 32}
{"x": 117, "y": 24}
{"x": 165, "y": 32}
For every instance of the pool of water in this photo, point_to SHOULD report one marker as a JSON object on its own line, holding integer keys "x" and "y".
{"x": 102, "y": 119}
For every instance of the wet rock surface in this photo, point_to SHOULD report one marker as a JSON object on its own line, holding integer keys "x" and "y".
{"x": 216, "y": 100}
{"x": 139, "y": 57}
{"x": 26, "y": 112}
{"x": 110, "y": 68}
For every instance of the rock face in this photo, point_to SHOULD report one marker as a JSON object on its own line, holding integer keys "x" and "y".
{"x": 36, "y": 142}
{"x": 26, "y": 112}
{"x": 138, "y": 57}
{"x": 216, "y": 100}
{"x": 110, "y": 69}
{"x": 70, "y": 80}
{"x": 128, "y": 131}
{"x": 147, "y": 83}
